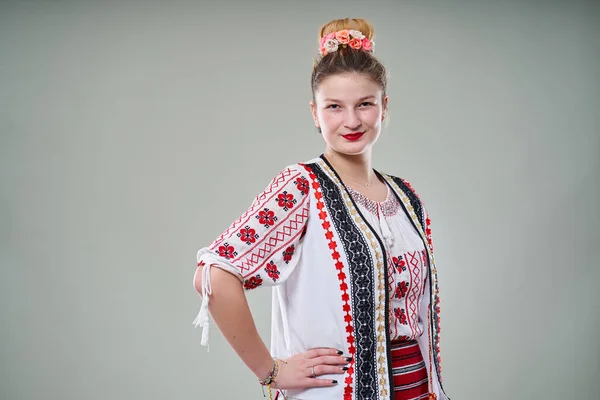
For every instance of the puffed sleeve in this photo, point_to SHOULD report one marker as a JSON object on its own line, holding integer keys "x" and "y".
{"x": 263, "y": 245}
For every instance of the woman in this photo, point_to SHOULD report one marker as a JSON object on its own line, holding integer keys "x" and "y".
{"x": 346, "y": 249}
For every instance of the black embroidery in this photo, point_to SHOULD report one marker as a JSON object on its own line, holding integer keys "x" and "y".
{"x": 413, "y": 198}
{"x": 362, "y": 283}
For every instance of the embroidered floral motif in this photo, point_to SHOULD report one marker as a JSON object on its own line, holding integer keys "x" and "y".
{"x": 286, "y": 200}
{"x": 389, "y": 207}
{"x": 253, "y": 282}
{"x": 226, "y": 251}
{"x": 272, "y": 271}
{"x": 288, "y": 253}
{"x": 401, "y": 290}
{"x": 400, "y": 313}
{"x": 302, "y": 185}
{"x": 399, "y": 264}
{"x": 266, "y": 217}
{"x": 247, "y": 235}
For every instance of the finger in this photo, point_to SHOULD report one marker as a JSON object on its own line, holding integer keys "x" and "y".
{"x": 328, "y": 370}
{"x": 329, "y": 360}
{"x": 321, "y": 382}
{"x": 322, "y": 351}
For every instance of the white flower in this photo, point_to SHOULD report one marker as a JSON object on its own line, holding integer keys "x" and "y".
{"x": 356, "y": 34}
{"x": 331, "y": 45}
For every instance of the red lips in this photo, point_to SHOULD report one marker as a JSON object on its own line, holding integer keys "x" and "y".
{"x": 353, "y": 136}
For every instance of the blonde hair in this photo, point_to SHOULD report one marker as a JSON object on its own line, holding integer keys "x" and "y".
{"x": 358, "y": 24}
{"x": 346, "y": 59}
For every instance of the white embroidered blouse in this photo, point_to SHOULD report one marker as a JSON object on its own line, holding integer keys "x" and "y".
{"x": 345, "y": 272}
{"x": 407, "y": 262}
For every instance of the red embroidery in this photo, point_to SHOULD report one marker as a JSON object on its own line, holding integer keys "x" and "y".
{"x": 399, "y": 264}
{"x": 253, "y": 282}
{"x": 401, "y": 290}
{"x": 247, "y": 235}
{"x": 286, "y": 200}
{"x": 286, "y": 233}
{"x": 259, "y": 202}
{"x": 272, "y": 271}
{"x": 400, "y": 313}
{"x": 288, "y": 253}
{"x": 302, "y": 185}
{"x": 226, "y": 251}
{"x": 412, "y": 303}
{"x": 266, "y": 217}
{"x": 342, "y": 278}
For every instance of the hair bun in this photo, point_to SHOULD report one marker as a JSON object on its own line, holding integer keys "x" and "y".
{"x": 348, "y": 23}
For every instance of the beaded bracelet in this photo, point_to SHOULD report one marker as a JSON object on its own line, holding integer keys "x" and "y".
{"x": 270, "y": 378}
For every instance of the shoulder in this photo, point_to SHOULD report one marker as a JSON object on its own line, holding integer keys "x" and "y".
{"x": 408, "y": 190}
{"x": 293, "y": 179}
{"x": 403, "y": 183}
{"x": 298, "y": 170}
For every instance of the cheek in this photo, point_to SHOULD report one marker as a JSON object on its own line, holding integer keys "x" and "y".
{"x": 330, "y": 120}
{"x": 373, "y": 117}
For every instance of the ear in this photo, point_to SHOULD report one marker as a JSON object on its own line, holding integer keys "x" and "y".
{"x": 313, "y": 111}
{"x": 384, "y": 108}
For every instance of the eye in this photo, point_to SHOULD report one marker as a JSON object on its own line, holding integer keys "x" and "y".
{"x": 367, "y": 103}
{"x": 332, "y": 106}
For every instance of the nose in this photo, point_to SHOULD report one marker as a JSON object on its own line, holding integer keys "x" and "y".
{"x": 352, "y": 120}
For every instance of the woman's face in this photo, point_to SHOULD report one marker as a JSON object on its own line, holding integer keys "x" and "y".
{"x": 349, "y": 110}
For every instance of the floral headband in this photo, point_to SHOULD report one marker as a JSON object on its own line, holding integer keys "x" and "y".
{"x": 347, "y": 37}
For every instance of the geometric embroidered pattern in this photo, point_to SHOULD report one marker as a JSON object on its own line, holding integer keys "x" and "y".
{"x": 278, "y": 240}
{"x": 418, "y": 214}
{"x": 271, "y": 191}
{"x": 327, "y": 227}
{"x": 412, "y": 299}
{"x": 268, "y": 231}
{"x": 362, "y": 275}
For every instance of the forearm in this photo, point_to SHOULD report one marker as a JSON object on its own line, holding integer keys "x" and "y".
{"x": 229, "y": 309}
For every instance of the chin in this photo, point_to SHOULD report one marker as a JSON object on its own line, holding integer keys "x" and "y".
{"x": 352, "y": 149}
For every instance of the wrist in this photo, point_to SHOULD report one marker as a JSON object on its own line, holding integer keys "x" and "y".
{"x": 264, "y": 369}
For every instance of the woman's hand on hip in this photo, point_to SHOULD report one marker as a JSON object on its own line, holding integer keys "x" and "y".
{"x": 303, "y": 370}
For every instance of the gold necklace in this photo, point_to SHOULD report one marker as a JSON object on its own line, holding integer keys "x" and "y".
{"x": 367, "y": 185}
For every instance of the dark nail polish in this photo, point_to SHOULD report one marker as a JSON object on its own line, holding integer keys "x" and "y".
{"x": 340, "y": 352}
{"x": 348, "y": 359}
{"x": 334, "y": 382}
{"x": 345, "y": 369}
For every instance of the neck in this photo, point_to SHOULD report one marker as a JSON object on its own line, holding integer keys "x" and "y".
{"x": 357, "y": 167}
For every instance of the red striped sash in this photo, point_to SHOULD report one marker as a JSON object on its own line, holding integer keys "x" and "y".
{"x": 409, "y": 371}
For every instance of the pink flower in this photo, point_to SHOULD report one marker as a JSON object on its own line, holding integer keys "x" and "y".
{"x": 366, "y": 44}
{"x": 343, "y": 36}
{"x": 356, "y": 34}
{"x": 326, "y": 38}
{"x": 355, "y": 43}
{"x": 330, "y": 46}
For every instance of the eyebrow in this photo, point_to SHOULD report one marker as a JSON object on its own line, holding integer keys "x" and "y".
{"x": 361, "y": 99}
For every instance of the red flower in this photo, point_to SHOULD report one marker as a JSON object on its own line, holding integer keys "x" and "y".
{"x": 266, "y": 217}
{"x": 272, "y": 271}
{"x": 288, "y": 253}
{"x": 286, "y": 200}
{"x": 401, "y": 315}
{"x": 401, "y": 290}
{"x": 253, "y": 282}
{"x": 248, "y": 235}
{"x": 227, "y": 251}
{"x": 399, "y": 264}
{"x": 302, "y": 185}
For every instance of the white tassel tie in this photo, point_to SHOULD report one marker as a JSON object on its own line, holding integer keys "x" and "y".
{"x": 202, "y": 319}
{"x": 388, "y": 237}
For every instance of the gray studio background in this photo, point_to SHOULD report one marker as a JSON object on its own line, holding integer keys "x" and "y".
{"x": 133, "y": 132}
